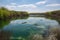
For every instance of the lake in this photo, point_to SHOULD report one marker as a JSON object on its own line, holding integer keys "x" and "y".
{"x": 27, "y": 29}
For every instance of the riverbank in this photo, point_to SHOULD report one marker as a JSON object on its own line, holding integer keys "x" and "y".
{"x": 55, "y": 15}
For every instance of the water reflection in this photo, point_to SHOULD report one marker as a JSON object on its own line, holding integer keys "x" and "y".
{"x": 4, "y": 23}
{"x": 31, "y": 28}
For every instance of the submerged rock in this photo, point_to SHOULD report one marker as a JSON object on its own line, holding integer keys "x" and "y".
{"x": 24, "y": 22}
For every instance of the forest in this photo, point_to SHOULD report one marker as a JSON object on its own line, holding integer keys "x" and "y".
{"x": 53, "y": 13}
{"x": 11, "y": 14}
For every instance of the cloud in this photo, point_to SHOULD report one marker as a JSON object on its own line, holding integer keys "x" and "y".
{"x": 27, "y": 6}
{"x": 53, "y": 5}
{"x": 41, "y": 2}
{"x": 13, "y": 3}
{"x": 10, "y": 7}
{"x": 14, "y": 6}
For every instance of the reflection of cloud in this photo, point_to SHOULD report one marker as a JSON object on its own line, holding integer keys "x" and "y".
{"x": 43, "y": 27}
{"x": 53, "y": 5}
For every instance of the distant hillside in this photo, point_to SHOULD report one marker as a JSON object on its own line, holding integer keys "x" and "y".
{"x": 53, "y": 13}
{"x": 37, "y": 13}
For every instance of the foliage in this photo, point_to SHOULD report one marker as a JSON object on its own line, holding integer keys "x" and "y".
{"x": 53, "y": 13}
{"x": 55, "y": 32}
{"x": 7, "y": 14}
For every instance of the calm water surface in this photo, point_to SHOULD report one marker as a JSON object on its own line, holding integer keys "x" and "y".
{"x": 23, "y": 28}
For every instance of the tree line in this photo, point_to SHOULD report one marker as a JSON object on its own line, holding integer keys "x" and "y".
{"x": 53, "y": 13}
{"x": 9, "y": 14}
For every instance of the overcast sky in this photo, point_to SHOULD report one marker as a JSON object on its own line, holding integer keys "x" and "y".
{"x": 31, "y": 5}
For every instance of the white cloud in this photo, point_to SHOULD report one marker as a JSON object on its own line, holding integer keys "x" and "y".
{"x": 10, "y": 7}
{"x": 28, "y": 6}
{"x": 41, "y": 2}
{"x": 13, "y": 4}
{"x": 53, "y": 5}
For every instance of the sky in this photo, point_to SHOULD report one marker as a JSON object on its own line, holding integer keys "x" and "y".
{"x": 31, "y": 5}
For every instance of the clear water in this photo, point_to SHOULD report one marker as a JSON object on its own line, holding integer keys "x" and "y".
{"x": 23, "y": 28}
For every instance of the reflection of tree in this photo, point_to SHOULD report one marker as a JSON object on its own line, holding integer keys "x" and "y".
{"x": 7, "y": 21}
{"x": 57, "y": 19}
{"x": 3, "y": 23}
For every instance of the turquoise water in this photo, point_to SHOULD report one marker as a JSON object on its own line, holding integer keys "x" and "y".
{"x": 21, "y": 29}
